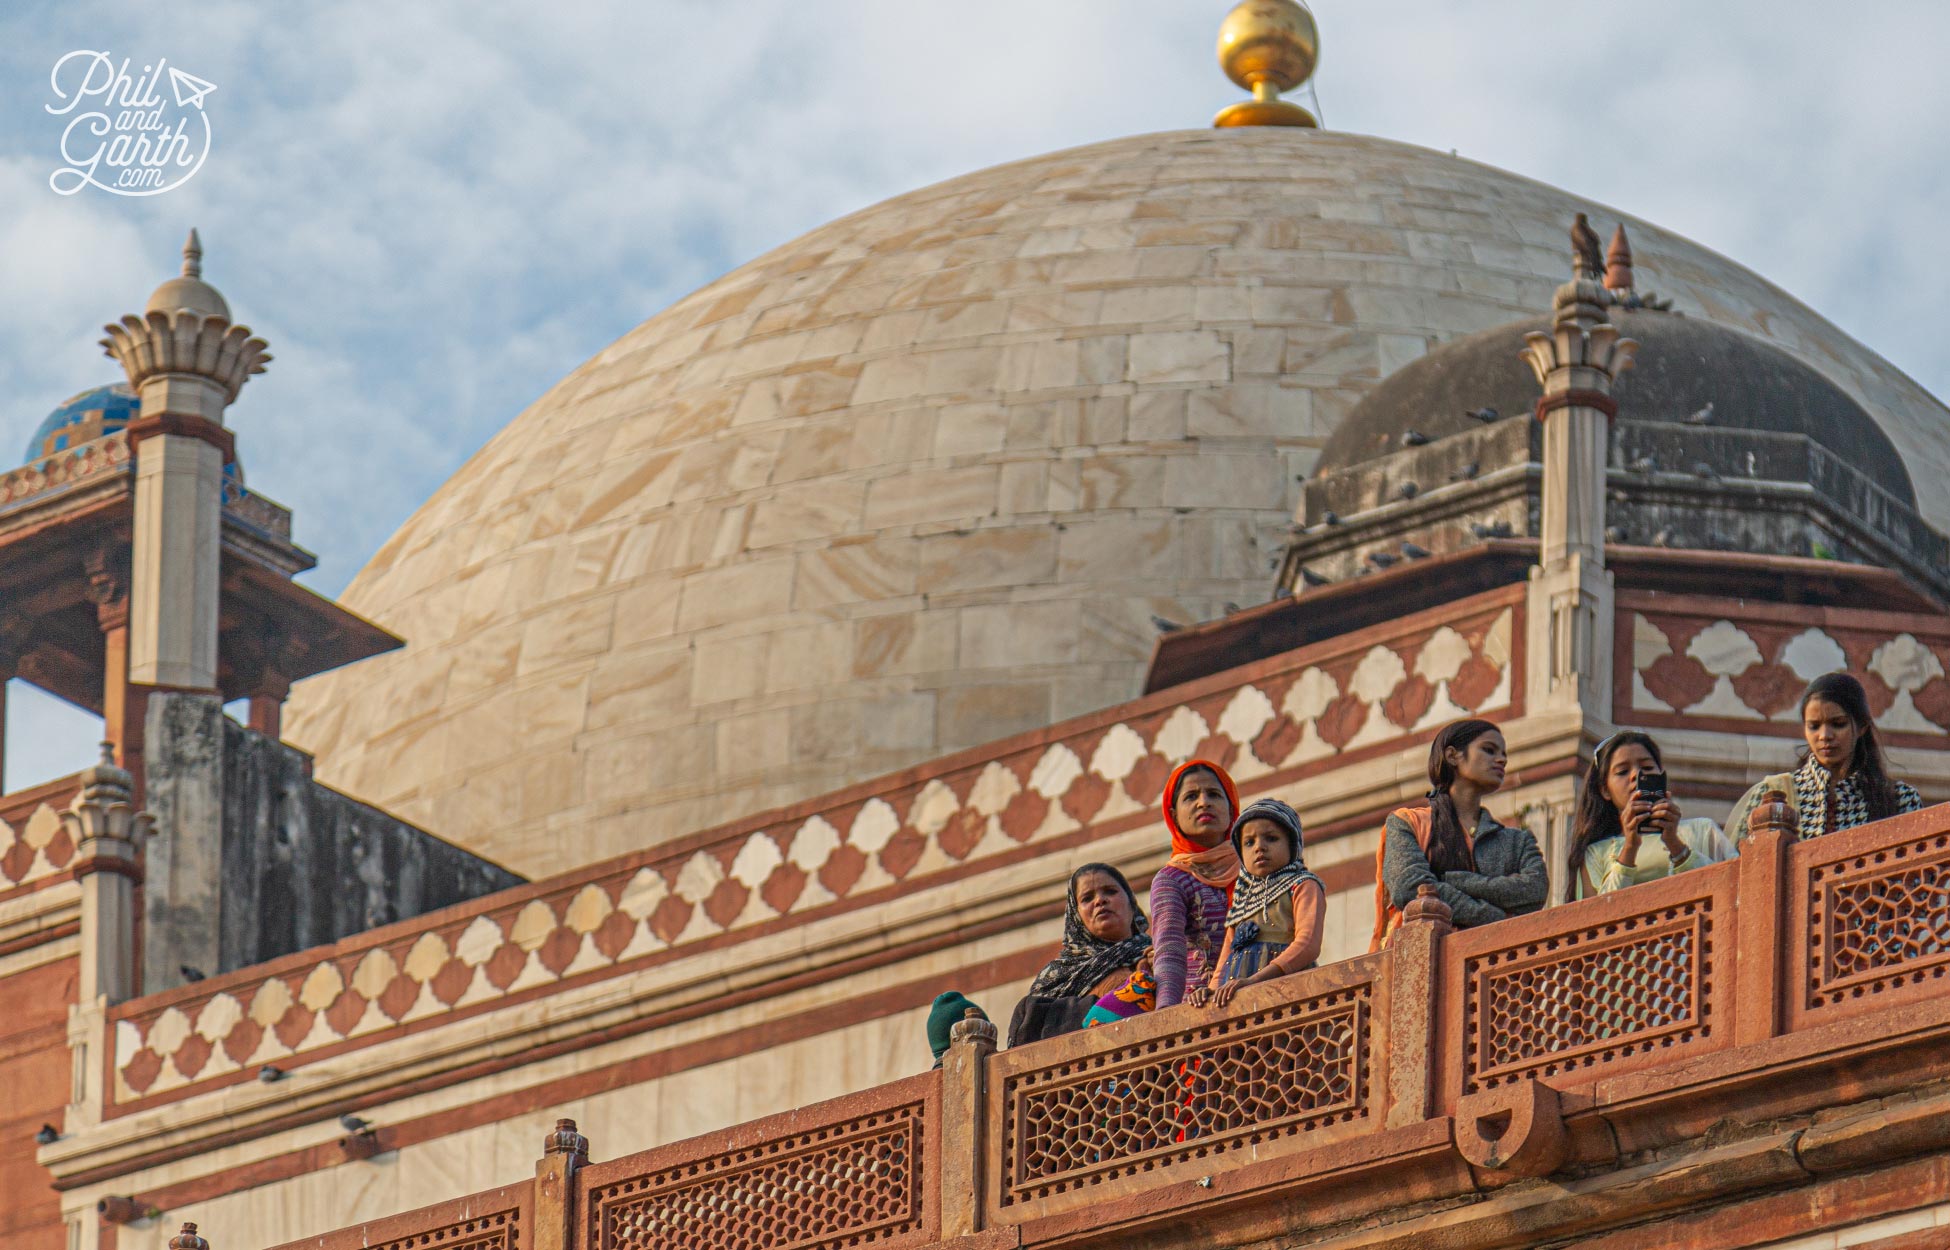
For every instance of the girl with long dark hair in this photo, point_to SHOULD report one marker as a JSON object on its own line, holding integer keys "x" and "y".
{"x": 1842, "y": 780}
{"x": 1622, "y": 835}
{"x": 1483, "y": 869}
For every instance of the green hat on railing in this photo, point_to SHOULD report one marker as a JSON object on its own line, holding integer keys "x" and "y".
{"x": 949, "y": 1009}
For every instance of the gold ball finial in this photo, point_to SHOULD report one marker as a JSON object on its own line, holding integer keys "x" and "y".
{"x": 1268, "y": 46}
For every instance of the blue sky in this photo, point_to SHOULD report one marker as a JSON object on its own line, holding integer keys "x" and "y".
{"x": 435, "y": 210}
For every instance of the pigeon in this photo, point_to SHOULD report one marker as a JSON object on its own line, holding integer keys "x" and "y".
{"x": 48, "y": 1135}
{"x": 1499, "y": 529}
{"x": 1644, "y": 464}
{"x": 353, "y": 1124}
{"x": 1705, "y": 471}
{"x": 1613, "y": 534}
{"x": 1230, "y": 608}
{"x": 1465, "y": 473}
{"x": 1296, "y": 528}
{"x": 1703, "y": 417}
{"x": 189, "y": 974}
{"x": 1382, "y": 559}
{"x": 1662, "y": 539}
{"x": 1408, "y": 490}
{"x": 1415, "y": 551}
{"x": 1310, "y": 578}
{"x": 1281, "y": 592}
{"x": 1329, "y": 517}
{"x": 1485, "y": 415}
{"x": 1165, "y": 626}
{"x": 1414, "y": 438}
{"x": 270, "y": 1073}
{"x": 1586, "y": 251}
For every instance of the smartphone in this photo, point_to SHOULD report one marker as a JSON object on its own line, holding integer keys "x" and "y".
{"x": 1652, "y": 786}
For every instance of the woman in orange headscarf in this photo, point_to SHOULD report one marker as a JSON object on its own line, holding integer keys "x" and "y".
{"x": 1189, "y": 894}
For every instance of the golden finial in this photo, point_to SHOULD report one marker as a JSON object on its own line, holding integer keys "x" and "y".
{"x": 1268, "y": 46}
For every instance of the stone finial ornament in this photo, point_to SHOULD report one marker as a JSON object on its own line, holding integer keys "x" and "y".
{"x": 563, "y": 1139}
{"x": 973, "y": 1027}
{"x": 1618, "y": 262}
{"x": 1773, "y": 812}
{"x": 1268, "y": 46}
{"x": 103, "y": 819}
{"x": 185, "y": 332}
{"x": 188, "y": 1240}
{"x": 1427, "y": 906}
{"x": 1581, "y": 357}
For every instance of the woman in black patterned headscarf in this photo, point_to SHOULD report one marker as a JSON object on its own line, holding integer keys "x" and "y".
{"x": 1104, "y": 935}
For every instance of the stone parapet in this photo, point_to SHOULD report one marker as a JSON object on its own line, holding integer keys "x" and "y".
{"x": 1314, "y": 710}
{"x": 1609, "y": 1043}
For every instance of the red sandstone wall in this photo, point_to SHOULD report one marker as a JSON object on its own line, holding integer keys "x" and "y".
{"x": 33, "y": 1091}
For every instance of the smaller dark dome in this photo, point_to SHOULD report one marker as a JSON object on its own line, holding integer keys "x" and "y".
{"x": 1682, "y": 365}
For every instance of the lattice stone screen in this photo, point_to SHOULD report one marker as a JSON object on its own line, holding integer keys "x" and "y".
{"x": 498, "y": 1219}
{"x": 844, "y": 1180}
{"x": 1228, "y": 1085}
{"x": 1627, "y": 986}
{"x": 1877, "y": 919}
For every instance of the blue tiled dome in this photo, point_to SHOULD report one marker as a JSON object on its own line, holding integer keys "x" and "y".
{"x": 97, "y": 413}
{"x": 83, "y": 418}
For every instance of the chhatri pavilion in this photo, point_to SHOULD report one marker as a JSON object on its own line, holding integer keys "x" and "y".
{"x": 582, "y": 876}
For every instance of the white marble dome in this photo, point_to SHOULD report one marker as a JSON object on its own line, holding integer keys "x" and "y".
{"x": 922, "y": 477}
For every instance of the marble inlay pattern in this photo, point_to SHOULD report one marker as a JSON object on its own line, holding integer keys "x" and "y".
{"x": 1735, "y": 667}
{"x": 33, "y": 841}
{"x": 1316, "y": 704}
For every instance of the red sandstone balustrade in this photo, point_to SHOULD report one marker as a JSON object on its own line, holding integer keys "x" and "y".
{"x": 495, "y": 1219}
{"x": 860, "y": 1170}
{"x": 1461, "y": 1059}
{"x": 1311, "y": 710}
{"x": 1867, "y": 919}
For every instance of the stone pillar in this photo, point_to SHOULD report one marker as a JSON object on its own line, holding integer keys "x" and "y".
{"x": 188, "y": 363}
{"x": 267, "y": 704}
{"x": 964, "y": 1072}
{"x": 176, "y": 557}
{"x": 564, "y": 1151}
{"x": 108, "y": 590}
{"x": 183, "y": 898}
{"x": 9, "y": 668}
{"x": 1414, "y": 979}
{"x": 107, "y": 832}
{"x": 1570, "y": 601}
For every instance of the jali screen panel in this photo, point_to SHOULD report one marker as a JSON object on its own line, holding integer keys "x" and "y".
{"x": 497, "y": 1219}
{"x": 1874, "y": 904}
{"x": 1071, "y": 1121}
{"x": 1633, "y": 976}
{"x": 853, "y": 1172}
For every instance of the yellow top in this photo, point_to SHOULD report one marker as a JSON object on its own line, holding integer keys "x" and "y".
{"x": 1267, "y": 46}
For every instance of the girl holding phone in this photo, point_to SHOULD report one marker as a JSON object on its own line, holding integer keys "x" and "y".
{"x": 1628, "y": 829}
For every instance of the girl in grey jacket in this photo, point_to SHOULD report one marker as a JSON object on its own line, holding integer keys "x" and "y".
{"x": 1483, "y": 869}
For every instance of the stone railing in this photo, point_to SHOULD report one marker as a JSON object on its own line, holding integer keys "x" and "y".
{"x": 1449, "y": 1063}
{"x": 92, "y": 459}
{"x": 34, "y": 844}
{"x": 1307, "y": 711}
{"x": 1686, "y": 662}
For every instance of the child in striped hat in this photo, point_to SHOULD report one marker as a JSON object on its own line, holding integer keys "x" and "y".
{"x": 1279, "y": 909}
